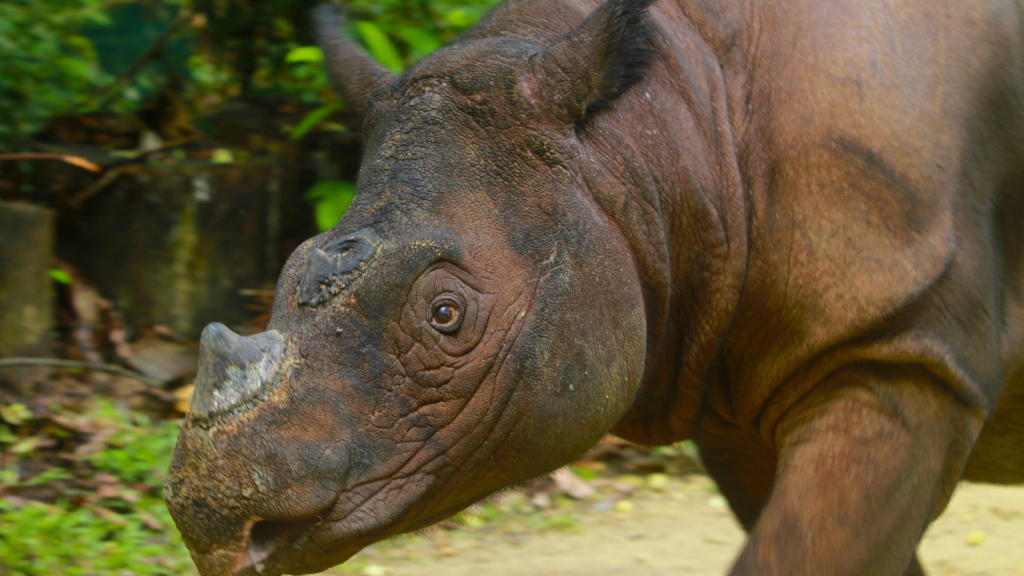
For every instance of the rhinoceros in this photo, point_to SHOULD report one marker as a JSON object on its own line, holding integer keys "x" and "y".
{"x": 790, "y": 231}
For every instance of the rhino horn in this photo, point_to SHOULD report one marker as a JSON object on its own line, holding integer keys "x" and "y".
{"x": 598, "y": 61}
{"x": 234, "y": 371}
{"x": 354, "y": 74}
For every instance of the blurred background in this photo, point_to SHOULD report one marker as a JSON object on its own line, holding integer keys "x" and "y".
{"x": 159, "y": 161}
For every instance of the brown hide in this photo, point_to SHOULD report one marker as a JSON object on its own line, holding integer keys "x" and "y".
{"x": 789, "y": 230}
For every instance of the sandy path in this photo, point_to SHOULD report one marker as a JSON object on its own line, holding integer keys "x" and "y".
{"x": 684, "y": 530}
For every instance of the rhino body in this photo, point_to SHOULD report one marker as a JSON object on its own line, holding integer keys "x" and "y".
{"x": 791, "y": 231}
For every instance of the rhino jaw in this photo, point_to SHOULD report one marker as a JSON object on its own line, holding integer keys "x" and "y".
{"x": 234, "y": 371}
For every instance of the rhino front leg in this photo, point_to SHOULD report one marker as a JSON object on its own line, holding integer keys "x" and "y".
{"x": 865, "y": 463}
{"x": 915, "y": 568}
{"x": 743, "y": 465}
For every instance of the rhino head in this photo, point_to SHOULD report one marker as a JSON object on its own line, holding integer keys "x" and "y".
{"x": 473, "y": 321}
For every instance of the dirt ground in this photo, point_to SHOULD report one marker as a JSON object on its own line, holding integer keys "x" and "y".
{"x": 684, "y": 528}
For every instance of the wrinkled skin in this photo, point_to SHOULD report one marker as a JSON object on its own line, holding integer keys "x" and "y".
{"x": 789, "y": 231}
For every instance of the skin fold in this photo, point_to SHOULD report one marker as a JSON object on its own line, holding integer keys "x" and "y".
{"x": 789, "y": 231}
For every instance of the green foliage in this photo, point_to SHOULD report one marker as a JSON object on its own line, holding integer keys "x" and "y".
{"x": 380, "y": 46}
{"x": 418, "y": 27}
{"x": 62, "y": 56}
{"x": 60, "y": 276}
{"x": 585, "y": 474}
{"x": 137, "y": 451}
{"x": 121, "y": 527}
{"x": 49, "y": 67}
{"x": 331, "y": 198}
{"x": 315, "y": 117}
{"x": 420, "y": 42}
{"x": 397, "y": 33}
{"x": 305, "y": 54}
{"x": 39, "y": 539}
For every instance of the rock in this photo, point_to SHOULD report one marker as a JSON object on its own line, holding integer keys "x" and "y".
{"x": 26, "y": 293}
{"x": 200, "y": 234}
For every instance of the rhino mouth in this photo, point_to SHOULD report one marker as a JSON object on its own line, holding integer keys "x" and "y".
{"x": 267, "y": 537}
{"x": 275, "y": 547}
{"x": 268, "y": 544}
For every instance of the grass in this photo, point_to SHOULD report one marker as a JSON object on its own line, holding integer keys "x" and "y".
{"x": 103, "y": 514}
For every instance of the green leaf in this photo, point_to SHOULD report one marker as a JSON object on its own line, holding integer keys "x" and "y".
{"x": 53, "y": 474}
{"x": 332, "y": 197}
{"x": 58, "y": 275}
{"x": 305, "y": 54}
{"x": 420, "y": 41}
{"x": 26, "y": 445}
{"x": 222, "y": 156}
{"x": 461, "y": 17}
{"x": 380, "y": 46}
{"x": 311, "y": 120}
{"x": 585, "y": 474}
{"x": 15, "y": 414}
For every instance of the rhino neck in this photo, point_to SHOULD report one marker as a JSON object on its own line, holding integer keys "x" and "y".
{"x": 671, "y": 182}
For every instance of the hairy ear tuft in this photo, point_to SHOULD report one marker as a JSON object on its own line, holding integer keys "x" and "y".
{"x": 600, "y": 60}
{"x": 628, "y": 53}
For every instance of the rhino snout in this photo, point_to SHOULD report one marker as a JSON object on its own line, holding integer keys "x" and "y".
{"x": 234, "y": 371}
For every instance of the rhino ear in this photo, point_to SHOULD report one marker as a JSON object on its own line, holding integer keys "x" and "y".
{"x": 354, "y": 74}
{"x": 598, "y": 61}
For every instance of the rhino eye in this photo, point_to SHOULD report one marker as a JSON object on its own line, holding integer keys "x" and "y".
{"x": 445, "y": 316}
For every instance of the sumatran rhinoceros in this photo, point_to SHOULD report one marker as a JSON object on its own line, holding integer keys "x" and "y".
{"x": 792, "y": 231}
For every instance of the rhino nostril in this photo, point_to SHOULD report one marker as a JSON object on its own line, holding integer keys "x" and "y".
{"x": 330, "y": 269}
{"x": 234, "y": 370}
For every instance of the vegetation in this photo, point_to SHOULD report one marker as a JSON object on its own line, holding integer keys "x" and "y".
{"x": 102, "y": 512}
{"x": 81, "y": 484}
{"x": 50, "y": 66}
{"x": 397, "y": 33}
{"x": 69, "y": 57}
{"x": 82, "y": 461}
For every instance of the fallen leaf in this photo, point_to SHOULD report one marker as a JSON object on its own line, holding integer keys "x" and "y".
{"x": 26, "y": 445}
{"x": 717, "y": 502}
{"x": 183, "y": 398}
{"x": 111, "y": 516}
{"x": 16, "y": 414}
{"x": 162, "y": 360}
{"x": 151, "y": 522}
{"x": 658, "y": 481}
{"x": 571, "y": 484}
{"x": 440, "y": 540}
{"x": 541, "y": 500}
{"x": 107, "y": 491}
